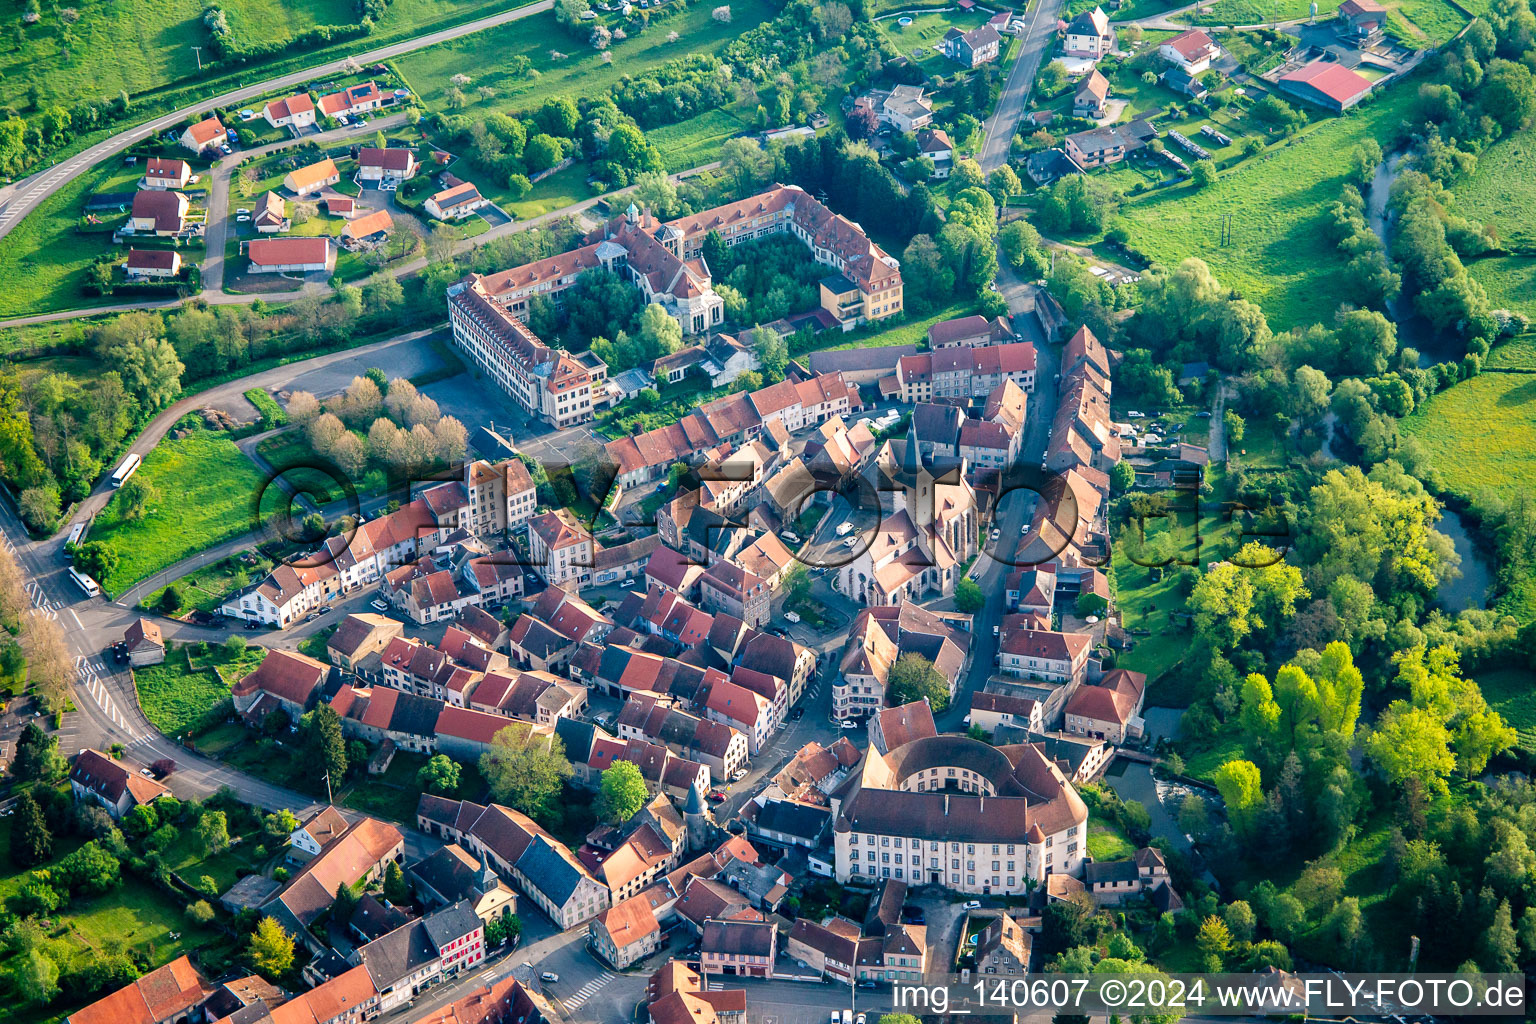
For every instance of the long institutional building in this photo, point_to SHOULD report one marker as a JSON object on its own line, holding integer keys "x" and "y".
{"x": 666, "y": 262}
{"x": 955, "y": 811}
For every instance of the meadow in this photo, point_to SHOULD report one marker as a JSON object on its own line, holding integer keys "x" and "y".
{"x": 565, "y": 64}
{"x": 44, "y": 259}
{"x": 1502, "y": 191}
{"x": 1421, "y": 22}
{"x": 137, "y": 46}
{"x": 179, "y": 693}
{"x": 1279, "y": 256}
{"x": 205, "y": 488}
{"x": 916, "y": 41}
{"x": 1481, "y": 434}
{"x": 1510, "y": 282}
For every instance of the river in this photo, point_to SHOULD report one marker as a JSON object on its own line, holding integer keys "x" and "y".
{"x": 1413, "y": 331}
{"x": 1478, "y": 571}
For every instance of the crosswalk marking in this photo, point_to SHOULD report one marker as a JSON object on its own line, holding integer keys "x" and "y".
{"x": 581, "y": 995}
{"x": 89, "y": 672}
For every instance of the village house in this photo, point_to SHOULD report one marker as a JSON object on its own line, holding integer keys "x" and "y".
{"x": 385, "y": 166}
{"x": 1089, "y": 101}
{"x": 971, "y": 48}
{"x": 1361, "y": 22}
{"x": 162, "y": 172}
{"x": 285, "y": 680}
{"x": 165, "y": 995}
{"x": 1043, "y": 653}
{"x": 1089, "y": 36}
{"x": 291, "y": 255}
{"x": 1108, "y": 709}
{"x": 270, "y": 215}
{"x": 961, "y": 371}
{"x": 143, "y": 643}
{"x": 449, "y": 874}
{"x": 359, "y": 635}
{"x": 205, "y": 134}
{"x": 353, "y": 100}
{"x": 457, "y": 202}
{"x": 561, "y": 549}
{"x": 1003, "y": 947}
{"x": 741, "y": 948}
{"x": 369, "y": 229}
{"x": 163, "y": 214}
{"x": 95, "y": 777}
{"x": 156, "y": 263}
{"x": 935, "y": 144}
{"x": 677, "y": 995}
{"x": 294, "y": 112}
{"x": 312, "y": 177}
{"x": 903, "y": 107}
{"x": 1192, "y": 51}
{"x": 1108, "y": 144}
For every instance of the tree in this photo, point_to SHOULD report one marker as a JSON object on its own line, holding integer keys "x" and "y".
{"x": 170, "y": 599}
{"x": 1509, "y": 94}
{"x": 524, "y": 769}
{"x": 345, "y": 904}
{"x": 37, "y": 756}
{"x": 31, "y": 842}
{"x": 1202, "y": 173}
{"x": 1240, "y": 920}
{"x": 621, "y": 794}
{"x": 1194, "y": 818}
{"x": 91, "y": 870}
{"x": 1121, "y": 476}
{"x": 439, "y": 775}
{"x": 1003, "y": 183}
{"x": 968, "y": 596}
{"x": 1019, "y": 244}
{"x": 35, "y": 978}
{"x": 395, "y": 889}
{"x": 150, "y": 370}
{"x": 324, "y": 747}
{"x": 50, "y": 665}
{"x": 97, "y": 559}
{"x": 1239, "y": 785}
{"x": 200, "y": 913}
{"x": 39, "y": 507}
{"x": 913, "y": 677}
{"x": 1053, "y": 77}
{"x": 772, "y": 352}
{"x": 271, "y": 949}
{"x": 213, "y": 831}
{"x": 1214, "y": 941}
{"x": 1410, "y": 743}
{"x": 1235, "y": 427}
{"x": 141, "y": 820}
{"x": 659, "y": 333}
{"x": 280, "y": 824}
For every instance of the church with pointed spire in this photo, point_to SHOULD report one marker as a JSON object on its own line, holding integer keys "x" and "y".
{"x": 930, "y": 527}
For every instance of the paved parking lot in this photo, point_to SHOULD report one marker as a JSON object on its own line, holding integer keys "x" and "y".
{"x": 475, "y": 403}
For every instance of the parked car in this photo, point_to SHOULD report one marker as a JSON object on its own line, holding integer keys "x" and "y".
{"x": 146, "y": 773}
{"x": 717, "y": 797}
{"x": 549, "y": 976}
{"x": 379, "y": 605}
{"x": 738, "y": 775}
{"x": 973, "y": 904}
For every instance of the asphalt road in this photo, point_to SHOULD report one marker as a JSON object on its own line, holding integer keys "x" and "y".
{"x": 28, "y": 193}
{"x": 1038, "y": 38}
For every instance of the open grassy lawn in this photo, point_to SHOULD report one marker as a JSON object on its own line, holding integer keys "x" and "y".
{"x": 177, "y": 694}
{"x": 1279, "y": 256}
{"x": 556, "y": 192}
{"x": 696, "y": 141}
{"x": 1482, "y": 434}
{"x": 495, "y": 57}
{"x": 1256, "y": 12}
{"x": 139, "y": 916}
{"x": 1105, "y": 840}
{"x": 140, "y": 45}
{"x": 206, "y": 589}
{"x": 43, "y": 260}
{"x": 1502, "y": 191}
{"x": 916, "y": 41}
{"x": 205, "y": 490}
{"x": 911, "y": 331}
{"x": 1420, "y": 23}
{"x": 1146, "y": 603}
{"x": 1512, "y": 693}
{"x": 1516, "y": 353}
{"x": 1510, "y": 282}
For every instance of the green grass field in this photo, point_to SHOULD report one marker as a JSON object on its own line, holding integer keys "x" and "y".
{"x": 1502, "y": 191}
{"x": 696, "y": 141}
{"x": 1517, "y": 353}
{"x": 1106, "y": 841}
{"x": 916, "y": 41}
{"x": 1512, "y": 693}
{"x": 1481, "y": 434}
{"x": 141, "y": 45}
{"x": 205, "y": 589}
{"x": 1424, "y": 22}
{"x": 43, "y": 260}
{"x": 487, "y": 57}
{"x": 205, "y": 489}
{"x": 1510, "y": 282}
{"x": 1279, "y": 256}
{"x": 177, "y": 694}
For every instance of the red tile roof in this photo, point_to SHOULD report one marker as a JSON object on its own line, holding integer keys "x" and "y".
{"x": 282, "y": 252}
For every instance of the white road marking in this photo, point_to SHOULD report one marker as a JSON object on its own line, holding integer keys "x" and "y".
{"x": 78, "y": 623}
{"x": 581, "y": 995}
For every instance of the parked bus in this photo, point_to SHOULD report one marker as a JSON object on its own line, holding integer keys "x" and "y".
{"x": 76, "y": 535}
{"x": 84, "y": 582}
{"x": 127, "y": 469}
